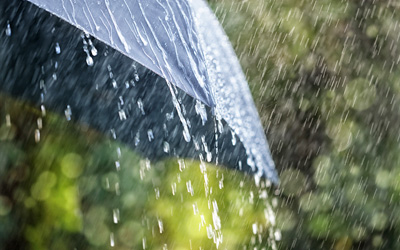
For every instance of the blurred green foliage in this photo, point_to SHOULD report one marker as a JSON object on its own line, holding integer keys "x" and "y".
{"x": 64, "y": 186}
{"x": 325, "y": 78}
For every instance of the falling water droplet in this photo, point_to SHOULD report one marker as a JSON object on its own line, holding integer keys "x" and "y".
{"x": 195, "y": 209}
{"x": 201, "y": 110}
{"x": 112, "y": 242}
{"x": 43, "y": 109}
{"x": 254, "y": 226}
{"x": 136, "y": 77}
{"x": 166, "y": 147}
{"x": 114, "y": 84}
{"x": 173, "y": 187}
{"x": 89, "y": 60}
{"x": 278, "y": 235}
{"x": 68, "y": 113}
{"x": 160, "y": 226}
{"x": 137, "y": 139}
{"x": 8, "y": 120}
{"x": 157, "y": 192}
{"x": 233, "y": 139}
{"x": 150, "y": 135}
{"x": 116, "y": 216}
{"x": 37, "y": 135}
{"x": 189, "y": 188}
{"x": 117, "y": 189}
{"x": 93, "y": 50}
{"x": 8, "y": 29}
{"x": 210, "y": 231}
{"x": 186, "y": 134}
{"x": 144, "y": 242}
{"x": 39, "y": 123}
{"x": 140, "y": 105}
{"x": 58, "y": 49}
{"x": 117, "y": 165}
{"x": 122, "y": 115}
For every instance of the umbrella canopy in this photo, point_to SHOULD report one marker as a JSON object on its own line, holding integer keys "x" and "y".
{"x": 160, "y": 35}
{"x": 53, "y": 64}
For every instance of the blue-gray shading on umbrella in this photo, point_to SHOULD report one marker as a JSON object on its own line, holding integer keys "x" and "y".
{"x": 141, "y": 112}
{"x": 158, "y": 34}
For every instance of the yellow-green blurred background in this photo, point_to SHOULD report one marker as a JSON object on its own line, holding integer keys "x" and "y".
{"x": 65, "y": 186}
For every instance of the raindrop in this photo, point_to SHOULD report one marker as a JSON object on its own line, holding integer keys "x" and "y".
{"x": 233, "y": 138}
{"x": 113, "y": 134}
{"x": 210, "y": 232}
{"x": 112, "y": 242}
{"x": 122, "y": 115}
{"x": 173, "y": 187}
{"x": 37, "y": 135}
{"x": 117, "y": 165}
{"x": 216, "y": 218}
{"x": 181, "y": 164}
{"x": 43, "y": 109}
{"x": 107, "y": 183}
{"x": 136, "y": 75}
{"x": 157, "y": 192}
{"x": 68, "y": 113}
{"x": 186, "y": 134}
{"x": 169, "y": 116}
{"x": 160, "y": 226}
{"x": 144, "y": 242}
{"x": 150, "y": 135}
{"x": 137, "y": 139}
{"x": 278, "y": 235}
{"x": 254, "y": 226}
{"x": 117, "y": 190}
{"x": 58, "y": 49}
{"x": 93, "y": 50}
{"x": 195, "y": 209}
{"x": 140, "y": 105}
{"x": 8, "y": 120}
{"x": 8, "y": 29}
{"x": 189, "y": 188}
{"x": 221, "y": 183}
{"x": 89, "y": 60}
{"x": 116, "y": 216}
{"x": 39, "y": 123}
{"x": 166, "y": 147}
{"x": 114, "y": 84}
{"x": 201, "y": 110}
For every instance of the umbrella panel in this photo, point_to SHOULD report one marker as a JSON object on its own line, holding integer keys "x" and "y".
{"x": 44, "y": 61}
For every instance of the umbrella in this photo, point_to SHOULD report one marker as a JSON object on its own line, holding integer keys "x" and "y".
{"x": 159, "y": 76}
